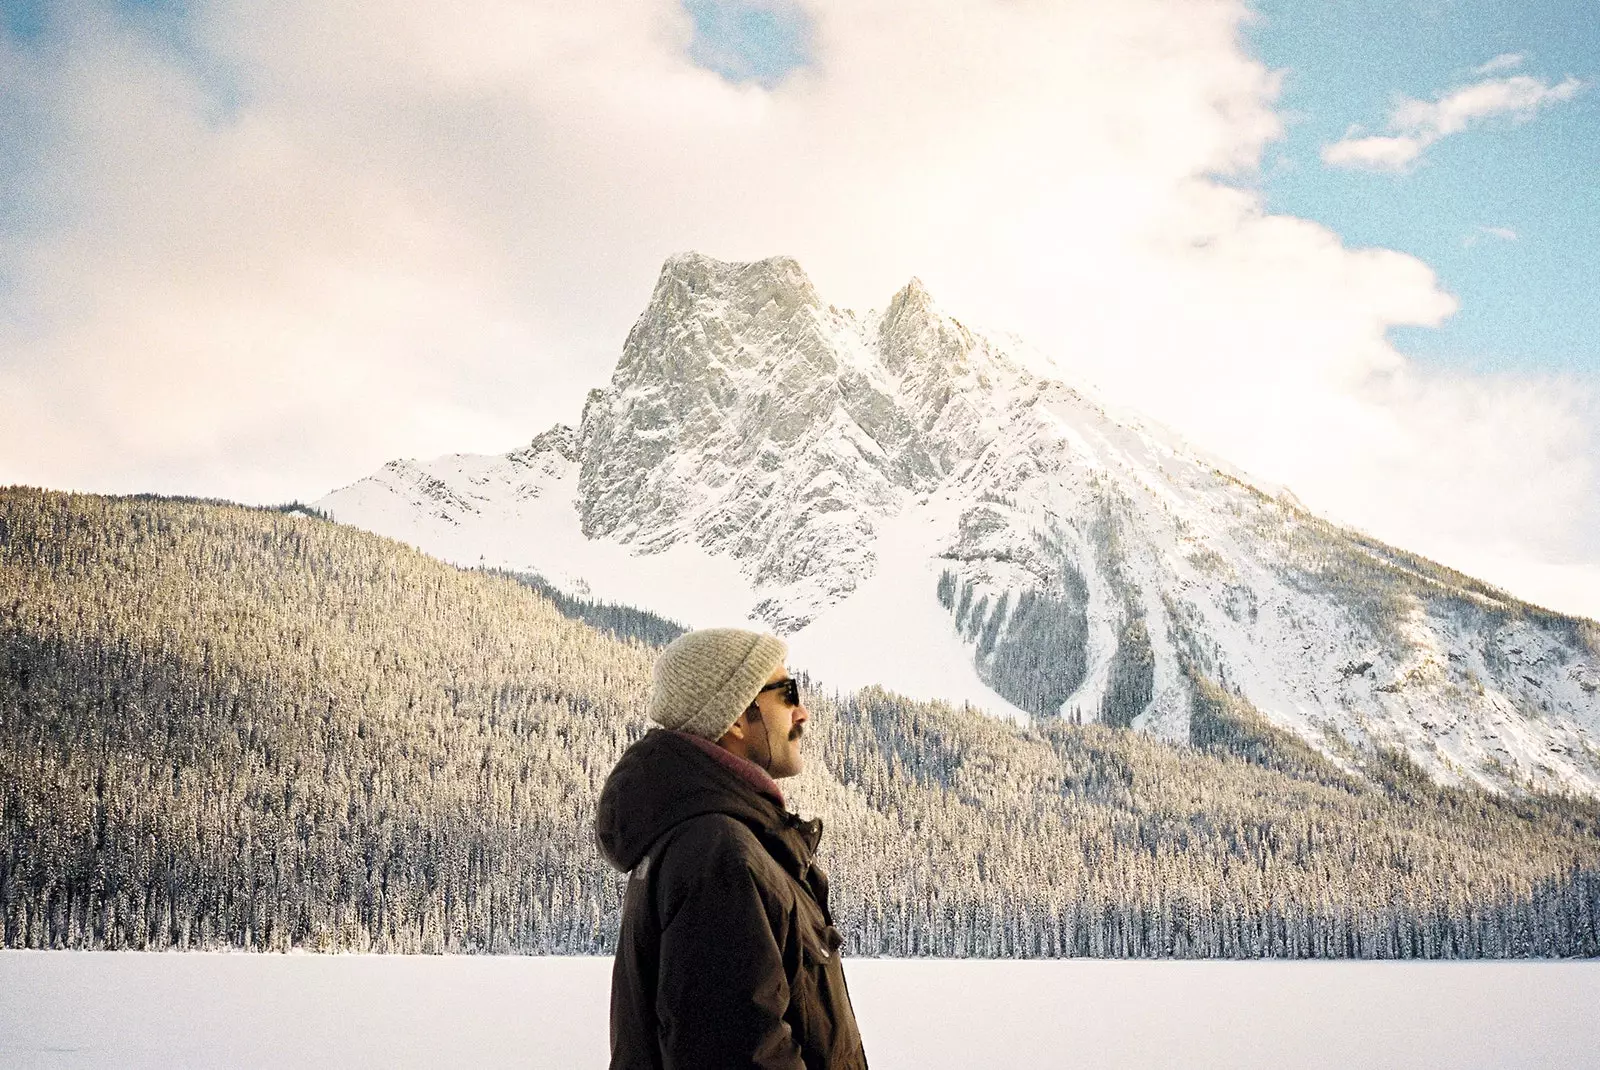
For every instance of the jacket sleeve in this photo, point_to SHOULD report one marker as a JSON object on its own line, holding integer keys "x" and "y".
{"x": 721, "y": 988}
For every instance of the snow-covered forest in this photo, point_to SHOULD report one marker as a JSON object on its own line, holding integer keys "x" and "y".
{"x": 223, "y": 726}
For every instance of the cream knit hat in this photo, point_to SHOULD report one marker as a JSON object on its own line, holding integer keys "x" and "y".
{"x": 704, "y": 680}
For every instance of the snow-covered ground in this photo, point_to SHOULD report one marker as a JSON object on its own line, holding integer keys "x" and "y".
{"x": 84, "y": 1009}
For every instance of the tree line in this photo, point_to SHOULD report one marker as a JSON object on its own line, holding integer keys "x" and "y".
{"x": 230, "y": 727}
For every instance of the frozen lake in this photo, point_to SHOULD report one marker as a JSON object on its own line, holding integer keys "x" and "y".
{"x": 81, "y": 1009}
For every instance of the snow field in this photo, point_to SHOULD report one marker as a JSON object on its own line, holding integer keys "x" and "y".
{"x": 109, "y": 1009}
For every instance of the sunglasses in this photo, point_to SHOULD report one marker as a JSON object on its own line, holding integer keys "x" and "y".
{"x": 791, "y": 687}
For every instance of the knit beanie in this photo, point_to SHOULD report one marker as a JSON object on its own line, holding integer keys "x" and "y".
{"x": 705, "y": 679}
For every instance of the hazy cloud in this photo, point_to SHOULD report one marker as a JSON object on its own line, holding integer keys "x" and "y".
{"x": 263, "y": 263}
{"x": 1500, "y": 233}
{"x": 1418, "y": 124}
{"x": 1506, "y": 61}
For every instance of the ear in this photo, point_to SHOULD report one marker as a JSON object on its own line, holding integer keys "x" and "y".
{"x": 737, "y": 729}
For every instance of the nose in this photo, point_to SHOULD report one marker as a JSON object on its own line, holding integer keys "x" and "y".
{"x": 800, "y": 716}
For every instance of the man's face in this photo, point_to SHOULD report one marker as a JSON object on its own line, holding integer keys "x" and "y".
{"x": 776, "y": 737}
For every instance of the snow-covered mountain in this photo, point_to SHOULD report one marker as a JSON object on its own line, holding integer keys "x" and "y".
{"x": 914, "y": 504}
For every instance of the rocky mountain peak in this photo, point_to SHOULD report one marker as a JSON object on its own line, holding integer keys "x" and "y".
{"x": 709, "y": 322}
{"x": 915, "y": 338}
{"x": 561, "y": 438}
{"x": 775, "y": 288}
{"x": 900, "y": 494}
{"x": 911, "y": 299}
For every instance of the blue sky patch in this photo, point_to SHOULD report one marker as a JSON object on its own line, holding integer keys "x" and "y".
{"x": 1506, "y": 211}
{"x": 760, "y": 41}
{"x": 22, "y": 20}
{"x": 26, "y": 20}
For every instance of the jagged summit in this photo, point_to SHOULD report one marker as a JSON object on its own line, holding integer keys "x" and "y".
{"x": 708, "y": 320}
{"x": 914, "y": 504}
{"x": 776, "y": 287}
{"x": 561, "y": 439}
{"x": 911, "y": 300}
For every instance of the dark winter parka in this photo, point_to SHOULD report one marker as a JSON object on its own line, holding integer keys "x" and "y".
{"x": 728, "y": 956}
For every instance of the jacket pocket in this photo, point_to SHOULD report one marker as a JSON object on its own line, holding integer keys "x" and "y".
{"x": 820, "y": 946}
{"x": 816, "y": 991}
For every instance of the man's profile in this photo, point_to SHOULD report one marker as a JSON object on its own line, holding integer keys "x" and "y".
{"x": 728, "y": 956}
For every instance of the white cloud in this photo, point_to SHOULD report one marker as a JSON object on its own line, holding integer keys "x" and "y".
{"x": 1418, "y": 124}
{"x": 1505, "y": 61}
{"x": 1375, "y": 152}
{"x": 419, "y": 232}
{"x": 1500, "y": 233}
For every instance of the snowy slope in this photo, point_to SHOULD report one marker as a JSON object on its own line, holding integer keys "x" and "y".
{"x": 916, "y": 505}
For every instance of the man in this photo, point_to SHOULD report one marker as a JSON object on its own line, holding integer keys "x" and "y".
{"x": 728, "y": 955}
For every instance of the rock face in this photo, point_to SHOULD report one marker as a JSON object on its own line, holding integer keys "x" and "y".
{"x": 894, "y": 474}
{"x": 782, "y": 463}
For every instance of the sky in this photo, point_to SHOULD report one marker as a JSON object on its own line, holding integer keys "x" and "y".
{"x": 255, "y": 252}
{"x": 1506, "y": 211}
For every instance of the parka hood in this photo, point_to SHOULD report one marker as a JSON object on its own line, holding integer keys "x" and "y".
{"x": 664, "y": 779}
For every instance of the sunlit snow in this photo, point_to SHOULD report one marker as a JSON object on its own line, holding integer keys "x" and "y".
{"x": 762, "y": 456}
{"x": 65, "y": 1009}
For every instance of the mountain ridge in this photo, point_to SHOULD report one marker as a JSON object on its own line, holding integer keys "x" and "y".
{"x": 912, "y": 504}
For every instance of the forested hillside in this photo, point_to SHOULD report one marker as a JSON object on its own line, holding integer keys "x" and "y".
{"x": 231, "y": 727}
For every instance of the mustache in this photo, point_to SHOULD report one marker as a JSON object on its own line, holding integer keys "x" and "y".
{"x": 796, "y": 731}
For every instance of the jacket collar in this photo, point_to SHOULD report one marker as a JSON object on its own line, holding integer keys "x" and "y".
{"x": 665, "y": 778}
{"x": 746, "y": 770}
{"x": 792, "y": 841}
